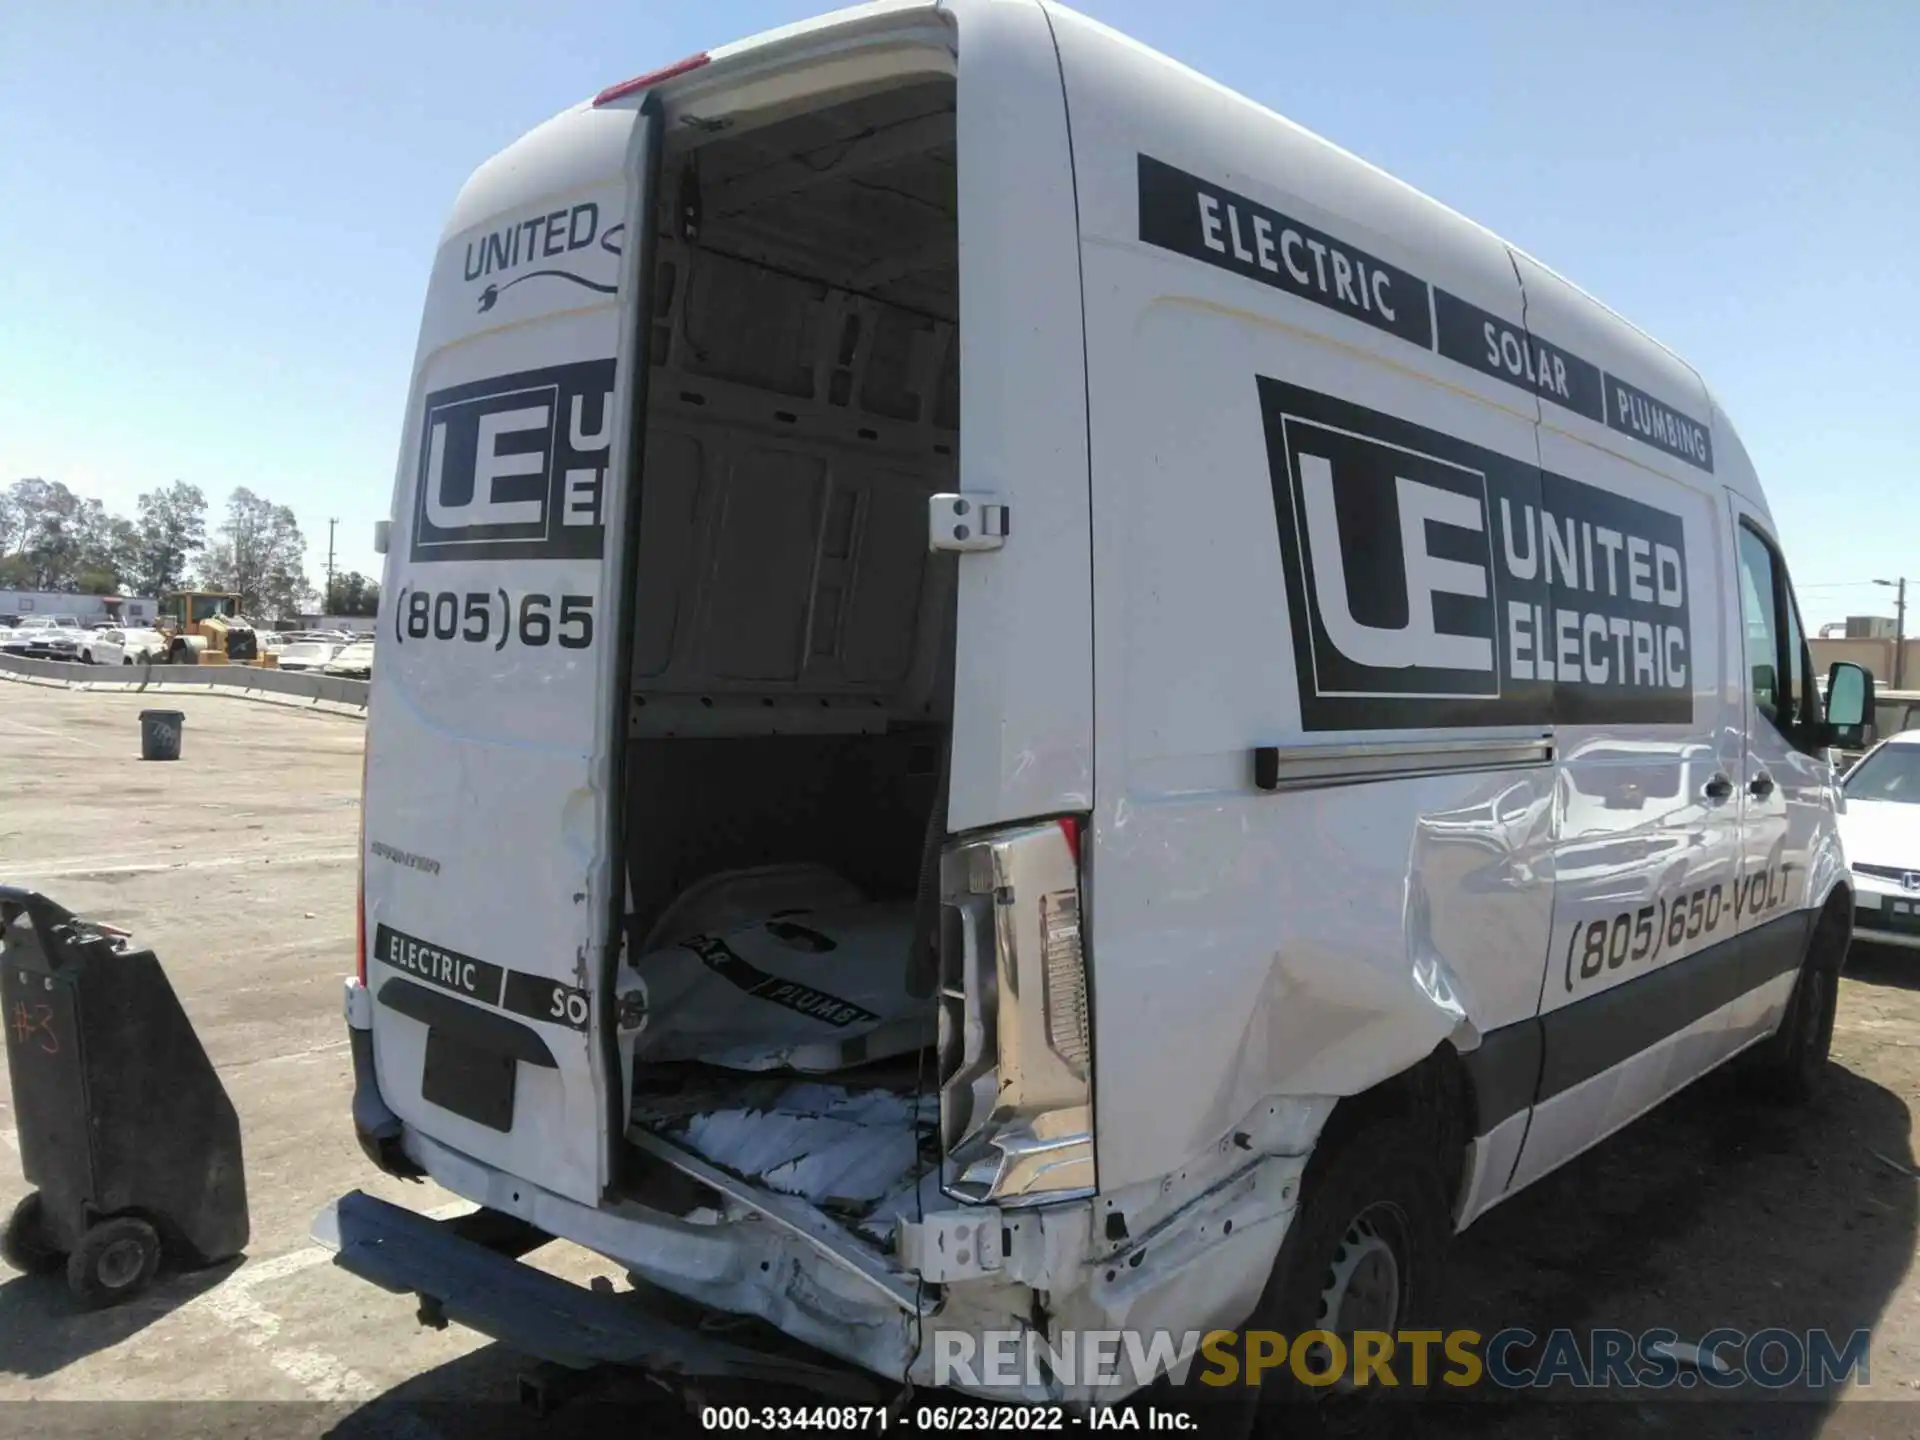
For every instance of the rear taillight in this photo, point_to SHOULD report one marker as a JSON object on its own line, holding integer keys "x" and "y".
{"x": 1016, "y": 1042}
{"x": 1070, "y": 828}
{"x": 650, "y": 79}
{"x": 360, "y": 890}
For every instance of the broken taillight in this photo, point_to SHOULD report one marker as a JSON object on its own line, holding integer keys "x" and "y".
{"x": 1016, "y": 1043}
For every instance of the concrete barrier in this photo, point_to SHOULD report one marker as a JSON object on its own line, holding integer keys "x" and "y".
{"x": 37, "y": 672}
{"x": 299, "y": 688}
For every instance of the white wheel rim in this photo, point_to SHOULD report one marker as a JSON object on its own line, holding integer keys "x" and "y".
{"x": 1362, "y": 1291}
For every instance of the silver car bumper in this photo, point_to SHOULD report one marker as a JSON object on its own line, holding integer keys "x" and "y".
{"x": 1885, "y": 912}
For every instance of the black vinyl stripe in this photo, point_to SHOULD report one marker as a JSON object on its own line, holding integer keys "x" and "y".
{"x": 538, "y": 997}
{"x": 1573, "y": 1044}
{"x": 1590, "y": 1037}
{"x": 1216, "y": 226}
{"x": 1504, "y": 1072}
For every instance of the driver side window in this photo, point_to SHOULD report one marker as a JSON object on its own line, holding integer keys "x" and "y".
{"x": 1799, "y": 660}
{"x": 1757, "y": 624}
{"x": 1779, "y": 665}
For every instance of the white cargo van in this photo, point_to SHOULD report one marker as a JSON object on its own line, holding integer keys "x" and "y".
{"x": 1017, "y": 695}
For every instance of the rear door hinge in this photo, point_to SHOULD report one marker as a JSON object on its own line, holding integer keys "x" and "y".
{"x": 977, "y": 520}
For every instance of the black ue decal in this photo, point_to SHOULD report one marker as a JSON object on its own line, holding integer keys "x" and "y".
{"x": 515, "y": 467}
{"x": 1218, "y": 227}
{"x": 1435, "y": 583}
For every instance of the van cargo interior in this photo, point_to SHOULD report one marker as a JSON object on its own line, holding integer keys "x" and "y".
{"x": 793, "y": 653}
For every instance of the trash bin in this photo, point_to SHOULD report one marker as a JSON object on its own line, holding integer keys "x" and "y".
{"x": 125, "y": 1130}
{"x": 160, "y": 734}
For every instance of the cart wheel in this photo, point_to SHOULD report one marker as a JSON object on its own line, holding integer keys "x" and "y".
{"x": 113, "y": 1261}
{"x": 24, "y": 1244}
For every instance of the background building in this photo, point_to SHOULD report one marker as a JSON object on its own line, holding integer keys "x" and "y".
{"x": 87, "y": 609}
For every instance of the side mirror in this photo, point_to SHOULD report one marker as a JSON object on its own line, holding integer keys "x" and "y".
{"x": 1849, "y": 704}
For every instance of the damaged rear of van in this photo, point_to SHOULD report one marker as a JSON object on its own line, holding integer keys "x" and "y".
{"x": 924, "y": 780}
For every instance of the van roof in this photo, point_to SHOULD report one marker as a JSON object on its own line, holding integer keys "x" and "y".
{"x": 577, "y": 148}
{"x": 1201, "y": 78}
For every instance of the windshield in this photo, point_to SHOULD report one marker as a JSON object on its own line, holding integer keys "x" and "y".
{"x": 1891, "y": 717}
{"x": 1891, "y": 773}
{"x": 205, "y": 607}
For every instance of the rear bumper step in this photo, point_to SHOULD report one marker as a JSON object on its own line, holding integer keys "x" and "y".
{"x": 543, "y": 1316}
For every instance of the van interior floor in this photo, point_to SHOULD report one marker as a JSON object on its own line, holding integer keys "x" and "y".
{"x": 861, "y": 1146}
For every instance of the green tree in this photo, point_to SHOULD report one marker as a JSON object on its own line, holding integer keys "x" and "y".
{"x": 56, "y": 534}
{"x": 353, "y": 594}
{"x": 172, "y": 531}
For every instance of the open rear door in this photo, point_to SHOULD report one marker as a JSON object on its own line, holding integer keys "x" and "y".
{"x": 492, "y": 886}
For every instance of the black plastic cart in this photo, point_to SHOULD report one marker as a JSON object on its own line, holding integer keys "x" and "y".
{"x": 126, "y": 1132}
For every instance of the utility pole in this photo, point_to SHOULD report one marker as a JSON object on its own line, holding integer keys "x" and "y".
{"x": 1899, "y": 588}
{"x": 326, "y": 606}
{"x": 1900, "y": 634}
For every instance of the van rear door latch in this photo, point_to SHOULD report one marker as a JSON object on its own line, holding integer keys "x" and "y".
{"x": 977, "y": 520}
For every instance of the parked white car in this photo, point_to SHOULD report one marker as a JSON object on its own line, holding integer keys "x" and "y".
{"x": 355, "y": 661}
{"x": 45, "y": 637}
{"x": 308, "y": 654}
{"x": 123, "y": 647}
{"x": 1880, "y": 829}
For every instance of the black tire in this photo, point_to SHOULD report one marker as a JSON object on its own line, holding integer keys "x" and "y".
{"x": 1366, "y": 1251}
{"x": 1785, "y": 1070}
{"x": 86, "y": 657}
{"x": 24, "y": 1244}
{"x": 126, "y": 659}
{"x": 114, "y": 1261}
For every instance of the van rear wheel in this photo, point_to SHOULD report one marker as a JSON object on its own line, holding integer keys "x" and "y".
{"x": 1785, "y": 1069}
{"x": 1365, "y": 1253}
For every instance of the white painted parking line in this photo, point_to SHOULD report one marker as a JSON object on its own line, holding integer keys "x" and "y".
{"x": 321, "y": 1375}
{"x": 116, "y": 865}
{"x": 10, "y": 1138}
{"x": 61, "y": 735}
{"x": 278, "y": 1267}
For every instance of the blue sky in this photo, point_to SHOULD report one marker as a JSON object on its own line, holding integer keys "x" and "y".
{"x": 219, "y": 217}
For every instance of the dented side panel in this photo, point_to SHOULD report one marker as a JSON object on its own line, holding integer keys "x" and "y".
{"x": 1249, "y": 432}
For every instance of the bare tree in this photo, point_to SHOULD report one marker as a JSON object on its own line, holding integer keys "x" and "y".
{"x": 260, "y": 556}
